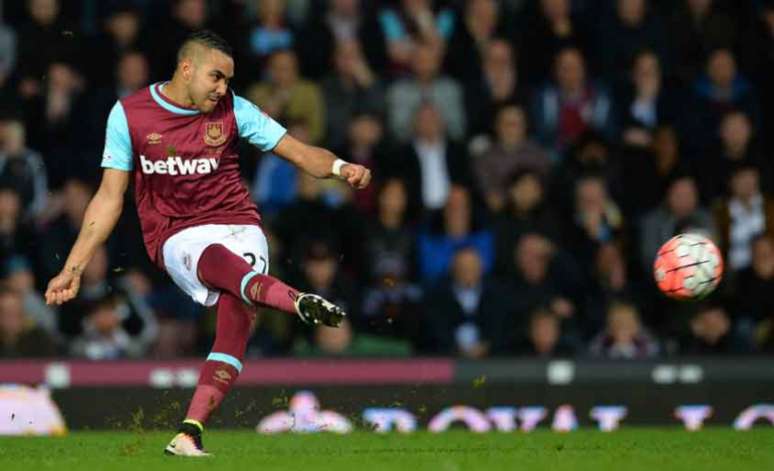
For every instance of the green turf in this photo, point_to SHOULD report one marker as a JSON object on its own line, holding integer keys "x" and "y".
{"x": 632, "y": 449}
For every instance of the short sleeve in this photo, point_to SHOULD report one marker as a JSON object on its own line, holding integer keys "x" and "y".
{"x": 256, "y": 126}
{"x": 118, "y": 144}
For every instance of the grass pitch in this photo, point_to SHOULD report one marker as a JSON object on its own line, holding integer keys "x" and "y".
{"x": 627, "y": 449}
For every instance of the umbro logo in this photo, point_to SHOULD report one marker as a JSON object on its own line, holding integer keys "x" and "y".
{"x": 153, "y": 138}
{"x": 222, "y": 376}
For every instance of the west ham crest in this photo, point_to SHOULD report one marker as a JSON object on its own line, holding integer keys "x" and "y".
{"x": 213, "y": 133}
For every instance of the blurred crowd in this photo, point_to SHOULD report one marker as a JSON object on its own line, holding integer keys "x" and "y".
{"x": 530, "y": 157}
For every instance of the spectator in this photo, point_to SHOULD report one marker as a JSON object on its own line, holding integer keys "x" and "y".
{"x": 62, "y": 231}
{"x": 19, "y": 277}
{"x": 546, "y": 276}
{"x": 274, "y": 185}
{"x": 564, "y": 109}
{"x": 437, "y": 245}
{"x": 569, "y": 223}
{"x": 345, "y": 21}
{"x": 132, "y": 73}
{"x": 711, "y": 333}
{"x": 22, "y": 169}
{"x": 468, "y": 314}
{"x": 497, "y": 86}
{"x": 320, "y": 274}
{"x": 389, "y": 247}
{"x": 511, "y": 152}
{"x": 406, "y": 96}
{"x": 526, "y": 210}
{"x": 392, "y": 303}
{"x": 19, "y": 336}
{"x": 697, "y": 27}
{"x": 742, "y": 217}
{"x": 186, "y": 17}
{"x": 105, "y": 334}
{"x": 41, "y": 43}
{"x": 269, "y": 33}
{"x": 287, "y": 96}
{"x": 413, "y": 23}
{"x": 119, "y": 296}
{"x": 752, "y": 301}
{"x": 679, "y": 213}
{"x": 596, "y": 221}
{"x": 16, "y": 237}
{"x": 432, "y": 163}
{"x": 737, "y": 147}
{"x": 624, "y": 337}
{"x": 392, "y": 308}
{"x": 647, "y": 171}
{"x": 720, "y": 90}
{"x": 631, "y": 28}
{"x": 591, "y": 155}
{"x": 551, "y": 29}
{"x": 609, "y": 281}
{"x": 52, "y": 121}
{"x": 467, "y": 45}
{"x": 309, "y": 218}
{"x": 367, "y": 146}
{"x": 544, "y": 336}
{"x": 758, "y": 56}
{"x": 352, "y": 87}
{"x": 123, "y": 33}
{"x": 646, "y": 101}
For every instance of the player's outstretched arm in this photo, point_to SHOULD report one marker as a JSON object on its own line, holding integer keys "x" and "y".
{"x": 321, "y": 163}
{"x": 98, "y": 222}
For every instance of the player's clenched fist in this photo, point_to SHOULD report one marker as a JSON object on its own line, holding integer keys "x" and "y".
{"x": 63, "y": 288}
{"x": 356, "y": 175}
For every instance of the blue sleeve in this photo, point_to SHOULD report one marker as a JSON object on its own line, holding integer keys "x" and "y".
{"x": 256, "y": 126}
{"x": 118, "y": 144}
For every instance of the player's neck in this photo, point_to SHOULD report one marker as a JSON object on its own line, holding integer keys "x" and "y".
{"x": 175, "y": 92}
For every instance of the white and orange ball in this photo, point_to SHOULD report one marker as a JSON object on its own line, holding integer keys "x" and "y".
{"x": 688, "y": 266}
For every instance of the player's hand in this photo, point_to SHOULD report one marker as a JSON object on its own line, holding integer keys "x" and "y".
{"x": 63, "y": 287}
{"x": 356, "y": 175}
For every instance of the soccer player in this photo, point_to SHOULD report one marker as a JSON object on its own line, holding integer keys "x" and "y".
{"x": 178, "y": 139}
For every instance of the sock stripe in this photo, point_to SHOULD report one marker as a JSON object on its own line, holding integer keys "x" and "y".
{"x": 245, "y": 280}
{"x": 195, "y": 423}
{"x": 225, "y": 358}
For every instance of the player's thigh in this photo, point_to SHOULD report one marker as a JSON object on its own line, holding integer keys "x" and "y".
{"x": 249, "y": 242}
{"x": 182, "y": 252}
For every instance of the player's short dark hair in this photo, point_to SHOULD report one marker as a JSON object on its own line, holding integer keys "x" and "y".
{"x": 207, "y": 39}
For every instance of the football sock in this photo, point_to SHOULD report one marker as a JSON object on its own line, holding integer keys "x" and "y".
{"x": 222, "y": 269}
{"x": 224, "y": 363}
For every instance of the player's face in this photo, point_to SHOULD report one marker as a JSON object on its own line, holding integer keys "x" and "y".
{"x": 209, "y": 80}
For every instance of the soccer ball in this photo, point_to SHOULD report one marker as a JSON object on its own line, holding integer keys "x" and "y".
{"x": 688, "y": 266}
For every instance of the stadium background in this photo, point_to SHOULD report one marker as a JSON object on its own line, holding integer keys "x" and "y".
{"x": 529, "y": 158}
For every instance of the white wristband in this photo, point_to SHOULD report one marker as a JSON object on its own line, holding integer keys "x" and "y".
{"x": 337, "y": 164}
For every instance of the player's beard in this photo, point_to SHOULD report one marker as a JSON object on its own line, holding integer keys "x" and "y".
{"x": 207, "y": 105}
{"x": 203, "y": 100}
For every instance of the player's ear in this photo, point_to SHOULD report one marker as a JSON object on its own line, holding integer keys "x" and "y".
{"x": 186, "y": 69}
